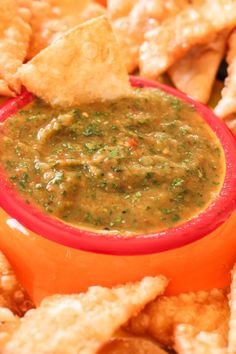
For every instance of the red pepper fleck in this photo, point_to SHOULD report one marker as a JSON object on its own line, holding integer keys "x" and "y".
{"x": 132, "y": 142}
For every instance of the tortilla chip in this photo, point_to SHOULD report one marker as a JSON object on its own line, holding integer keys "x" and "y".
{"x": 50, "y": 19}
{"x": 79, "y": 67}
{"x": 206, "y": 311}
{"x": 14, "y": 40}
{"x": 12, "y": 295}
{"x": 232, "y": 321}
{"x": 195, "y": 73}
{"x": 189, "y": 341}
{"x": 172, "y": 39}
{"x": 227, "y": 104}
{"x": 82, "y": 323}
{"x": 131, "y": 345}
{"x": 119, "y": 8}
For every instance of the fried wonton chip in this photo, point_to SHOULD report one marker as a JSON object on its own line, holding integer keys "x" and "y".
{"x": 79, "y": 67}
{"x": 232, "y": 322}
{"x": 14, "y": 41}
{"x": 129, "y": 34}
{"x": 175, "y": 36}
{"x": 50, "y": 19}
{"x": 12, "y": 295}
{"x": 206, "y": 311}
{"x": 119, "y": 8}
{"x": 8, "y": 324}
{"x": 195, "y": 73}
{"x": 82, "y": 323}
{"x": 67, "y": 7}
{"x": 189, "y": 341}
{"x": 131, "y": 345}
{"x": 157, "y": 9}
{"x": 45, "y": 23}
{"x": 227, "y": 104}
{"x": 145, "y": 15}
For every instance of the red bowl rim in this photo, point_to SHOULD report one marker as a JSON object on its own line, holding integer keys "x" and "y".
{"x": 205, "y": 223}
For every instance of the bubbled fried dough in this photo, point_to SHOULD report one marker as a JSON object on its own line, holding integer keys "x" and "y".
{"x": 12, "y": 295}
{"x": 206, "y": 311}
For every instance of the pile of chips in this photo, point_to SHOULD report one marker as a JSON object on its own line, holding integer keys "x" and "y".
{"x": 130, "y": 318}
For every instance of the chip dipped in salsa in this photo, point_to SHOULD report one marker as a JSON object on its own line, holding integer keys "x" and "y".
{"x": 139, "y": 164}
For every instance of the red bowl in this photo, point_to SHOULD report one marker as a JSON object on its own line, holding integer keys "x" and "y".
{"x": 189, "y": 233}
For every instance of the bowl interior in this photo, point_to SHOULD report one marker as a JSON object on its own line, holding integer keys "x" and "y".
{"x": 206, "y": 222}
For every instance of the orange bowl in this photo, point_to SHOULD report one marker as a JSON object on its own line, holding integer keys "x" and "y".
{"x": 51, "y": 257}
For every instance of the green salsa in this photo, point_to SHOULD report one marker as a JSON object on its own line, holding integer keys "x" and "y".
{"x": 140, "y": 164}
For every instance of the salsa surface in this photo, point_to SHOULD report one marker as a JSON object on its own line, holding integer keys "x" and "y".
{"x": 137, "y": 165}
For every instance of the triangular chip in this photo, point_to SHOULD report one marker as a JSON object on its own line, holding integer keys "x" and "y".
{"x": 84, "y": 65}
{"x": 144, "y": 16}
{"x": 14, "y": 41}
{"x": 227, "y": 104}
{"x": 50, "y": 19}
{"x": 174, "y": 37}
{"x": 189, "y": 341}
{"x": 207, "y": 311}
{"x": 82, "y": 324}
{"x": 195, "y": 73}
{"x": 232, "y": 321}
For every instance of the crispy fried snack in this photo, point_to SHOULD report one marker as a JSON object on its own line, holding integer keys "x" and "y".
{"x": 14, "y": 41}
{"x": 50, "y": 19}
{"x": 130, "y": 34}
{"x": 67, "y": 7}
{"x": 79, "y": 67}
{"x": 45, "y": 23}
{"x": 144, "y": 16}
{"x": 12, "y": 295}
{"x": 82, "y": 323}
{"x": 77, "y": 16}
{"x": 227, "y": 105}
{"x": 131, "y": 345}
{"x": 232, "y": 321}
{"x": 205, "y": 311}
{"x": 157, "y": 9}
{"x": 189, "y": 341}
{"x": 195, "y": 73}
{"x": 172, "y": 39}
{"x": 8, "y": 324}
{"x": 119, "y": 8}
